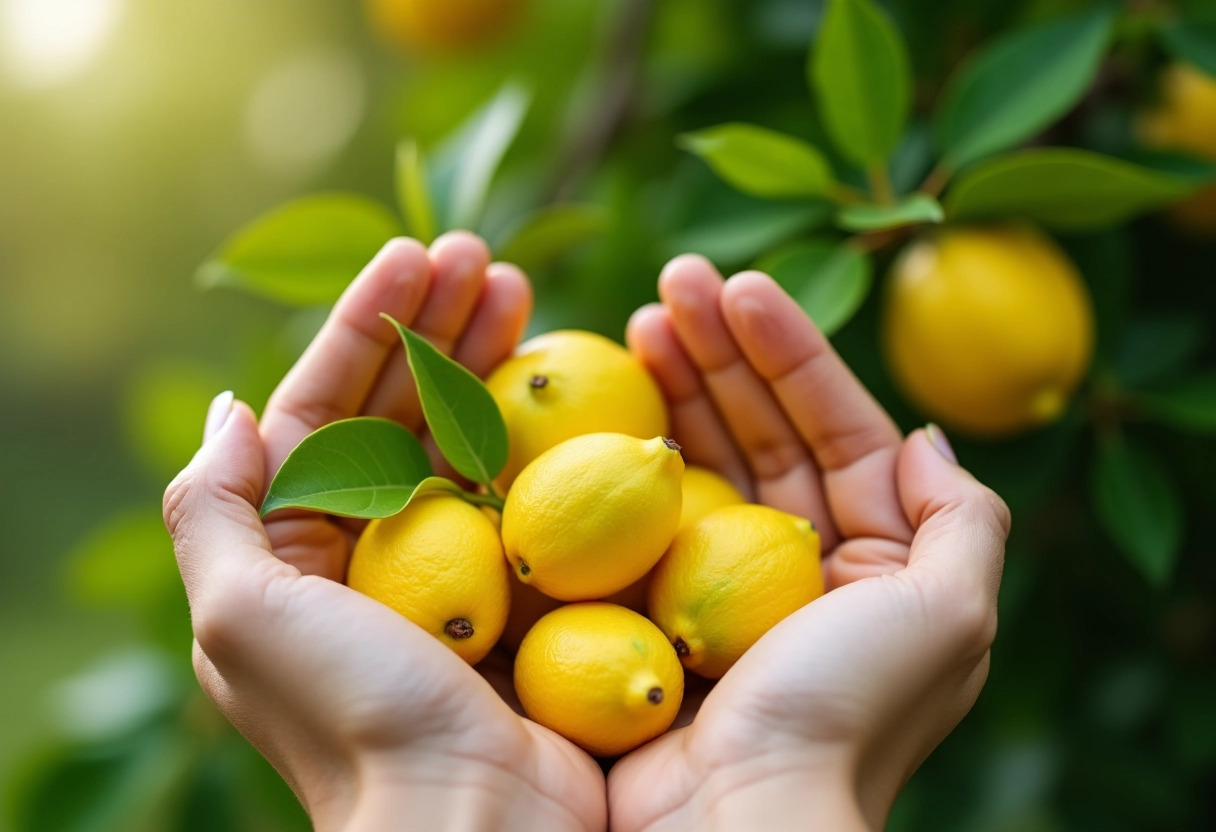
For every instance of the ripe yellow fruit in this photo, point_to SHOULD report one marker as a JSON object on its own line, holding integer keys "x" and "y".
{"x": 600, "y": 675}
{"x": 439, "y": 562}
{"x": 567, "y": 383}
{"x": 1185, "y": 121}
{"x": 703, "y": 491}
{"x": 729, "y": 578}
{"x": 988, "y": 330}
{"x": 593, "y": 514}
{"x": 441, "y": 25}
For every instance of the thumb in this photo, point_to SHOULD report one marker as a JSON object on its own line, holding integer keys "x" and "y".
{"x": 960, "y": 524}
{"x": 210, "y": 508}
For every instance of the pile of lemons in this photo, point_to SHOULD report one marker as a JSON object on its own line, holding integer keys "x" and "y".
{"x": 613, "y": 567}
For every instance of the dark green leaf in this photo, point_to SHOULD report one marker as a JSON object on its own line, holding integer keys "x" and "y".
{"x": 761, "y": 162}
{"x": 1139, "y": 506}
{"x": 741, "y": 235}
{"x": 363, "y": 467}
{"x": 830, "y": 280}
{"x": 1063, "y": 188}
{"x": 432, "y": 485}
{"x": 911, "y": 210}
{"x": 1155, "y": 346}
{"x": 303, "y": 253}
{"x": 1192, "y": 40}
{"x": 552, "y": 232}
{"x": 1189, "y": 405}
{"x": 413, "y": 192}
{"x": 466, "y": 163}
{"x": 460, "y": 411}
{"x": 1020, "y": 85}
{"x": 860, "y": 75}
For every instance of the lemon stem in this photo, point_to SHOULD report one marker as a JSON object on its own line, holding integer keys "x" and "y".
{"x": 493, "y": 500}
{"x": 654, "y": 696}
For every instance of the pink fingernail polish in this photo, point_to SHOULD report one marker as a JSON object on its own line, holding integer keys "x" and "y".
{"x": 939, "y": 440}
{"x": 217, "y": 414}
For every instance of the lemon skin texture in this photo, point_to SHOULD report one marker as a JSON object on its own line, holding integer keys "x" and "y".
{"x": 1185, "y": 121}
{"x": 567, "y": 383}
{"x": 729, "y": 578}
{"x": 988, "y": 330}
{"x": 441, "y": 25}
{"x": 592, "y": 515}
{"x": 600, "y": 675}
{"x": 440, "y": 563}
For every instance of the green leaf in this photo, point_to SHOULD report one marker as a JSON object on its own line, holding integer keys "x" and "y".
{"x": 1193, "y": 41}
{"x": 911, "y": 210}
{"x": 462, "y": 415}
{"x": 467, "y": 161}
{"x": 303, "y": 253}
{"x": 1063, "y": 188}
{"x": 1020, "y": 85}
{"x": 830, "y": 280}
{"x": 761, "y": 162}
{"x": 1139, "y": 507}
{"x": 739, "y": 236}
{"x": 1189, "y": 405}
{"x": 363, "y": 467}
{"x": 413, "y": 192}
{"x": 433, "y": 485}
{"x": 860, "y": 75}
{"x": 552, "y": 232}
{"x": 1157, "y": 345}
{"x": 127, "y": 561}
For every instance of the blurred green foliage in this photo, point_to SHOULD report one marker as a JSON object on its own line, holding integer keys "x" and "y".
{"x": 123, "y": 172}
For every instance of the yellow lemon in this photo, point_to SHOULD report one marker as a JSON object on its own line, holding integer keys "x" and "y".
{"x": 703, "y": 491}
{"x": 567, "y": 383}
{"x": 988, "y": 330}
{"x": 1185, "y": 121}
{"x": 600, "y": 675}
{"x": 593, "y": 514}
{"x": 729, "y": 578}
{"x": 439, "y": 562}
{"x": 441, "y": 25}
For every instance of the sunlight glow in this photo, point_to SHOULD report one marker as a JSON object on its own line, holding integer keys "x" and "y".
{"x": 47, "y": 42}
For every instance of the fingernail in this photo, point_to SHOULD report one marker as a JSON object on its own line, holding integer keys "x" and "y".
{"x": 939, "y": 440}
{"x": 217, "y": 414}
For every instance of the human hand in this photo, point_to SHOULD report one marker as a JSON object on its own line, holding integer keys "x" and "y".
{"x": 373, "y": 722}
{"x": 830, "y": 713}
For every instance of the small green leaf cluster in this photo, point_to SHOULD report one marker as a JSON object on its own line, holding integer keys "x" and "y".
{"x": 372, "y": 468}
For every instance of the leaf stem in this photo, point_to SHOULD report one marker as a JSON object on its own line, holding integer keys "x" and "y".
{"x": 843, "y": 194}
{"x": 880, "y": 184}
{"x": 936, "y": 181}
{"x": 492, "y": 500}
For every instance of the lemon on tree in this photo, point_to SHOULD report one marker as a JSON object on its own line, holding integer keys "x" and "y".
{"x": 566, "y": 383}
{"x": 729, "y": 578}
{"x": 439, "y": 562}
{"x": 593, "y": 514}
{"x": 600, "y": 675}
{"x": 988, "y": 329}
{"x": 443, "y": 25}
{"x": 1185, "y": 120}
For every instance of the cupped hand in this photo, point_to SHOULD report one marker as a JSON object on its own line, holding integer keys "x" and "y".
{"x": 373, "y": 722}
{"x": 827, "y": 716}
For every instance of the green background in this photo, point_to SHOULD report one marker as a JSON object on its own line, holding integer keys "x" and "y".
{"x": 122, "y": 172}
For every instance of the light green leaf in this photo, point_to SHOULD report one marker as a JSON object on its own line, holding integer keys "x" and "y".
{"x": 1189, "y": 405}
{"x": 1192, "y": 40}
{"x": 1063, "y": 188}
{"x": 912, "y": 210}
{"x": 461, "y": 413}
{"x": 761, "y": 162}
{"x": 738, "y": 237}
{"x": 413, "y": 192}
{"x": 466, "y": 162}
{"x": 433, "y": 485}
{"x": 552, "y": 232}
{"x": 127, "y": 561}
{"x": 1021, "y": 84}
{"x": 860, "y": 75}
{"x": 1139, "y": 506}
{"x": 830, "y": 280}
{"x": 363, "y": 467}
{"x": 303, "y": 253}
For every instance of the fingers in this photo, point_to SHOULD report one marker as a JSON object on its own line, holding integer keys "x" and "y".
{"x": 853, "y": 440}
{"x": 695, "y": 422}
{"x": 958, "y": 553}
{"x": 458, "y": 264}
{"x": 786, "y": 475}
{"x": 498, "y": 321}
{"x": 334, "y": 375}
